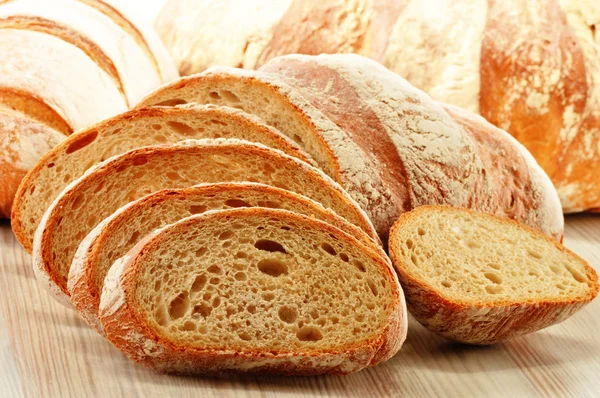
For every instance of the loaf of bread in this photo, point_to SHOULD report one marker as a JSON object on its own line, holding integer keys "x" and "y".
{"x": 479, "y": 279}
{"x": 111, "y": 184}
{"x": 388, "y": 144}
{"x": 150, "y": 126}
{"x": 253, "y": 290}
{"x": 65, "y": 65}
{"x": 118, "y": 233}
{"x": 530, "y": 67}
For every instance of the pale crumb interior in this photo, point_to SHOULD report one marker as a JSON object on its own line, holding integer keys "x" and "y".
{"x": 255, "y": 98}
{"x": 261, "y": 282}
{"x": 163, "y": 209}
{"x": 475, "y": 258}
{"x": 99, "y": 145}
{"x": 143, "y": 173}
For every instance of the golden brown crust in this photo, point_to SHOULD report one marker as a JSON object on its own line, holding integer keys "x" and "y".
{"x": 33, "y": 107}
{"x": 71, "y": 36}
{"x": 481, "y": 322}
{"x": 127, "y": 330}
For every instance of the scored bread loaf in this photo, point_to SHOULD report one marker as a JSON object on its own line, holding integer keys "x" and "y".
{"x": 117, "y": 234}
{"x": 124, "y": 178}
{"x": 253, "y": 290}
{"x": 137, "y": 128}
{"x": 480, "y": 279}
{"x": 66, "y": 65}
{"x": 531, "y": 67}
{"x": 396, "y": 150}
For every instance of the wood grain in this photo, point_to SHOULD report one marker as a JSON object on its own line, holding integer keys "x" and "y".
{"x": 57, "y": 355}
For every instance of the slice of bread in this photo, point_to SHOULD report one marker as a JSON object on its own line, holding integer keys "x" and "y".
{"x": 124, "y": 178}
{"x": 479, "y": 279}
{"x": 253, "y": 290}
{"x": 117, "y": 234}
{"x": 150, "y": 126}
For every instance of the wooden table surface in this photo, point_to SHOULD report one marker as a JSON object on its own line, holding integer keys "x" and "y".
{"x": 47, "y": 351}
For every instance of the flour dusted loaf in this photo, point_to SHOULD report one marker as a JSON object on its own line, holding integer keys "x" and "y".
{"x": 253, "y": 290}
{"x": 479, "y": 279}
{"x": 388, "y": 144}
{"x": 117, "y": 234}
{"x": 66, "y": 64}
{"x": 124, "y": 178}
{"x": 531, "y": 68}
{"x": 152, "y": 126}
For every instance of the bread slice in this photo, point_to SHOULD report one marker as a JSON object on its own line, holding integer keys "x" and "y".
{"x": 253, "y": 290}
{"x": 122, "y": 179}
{"x": 479, "y": 279}
{"x": 118, "y": 233}
{"x": 149, "y": 126}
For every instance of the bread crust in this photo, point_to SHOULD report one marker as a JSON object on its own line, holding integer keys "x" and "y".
{"x": 95, "y": 139}
{"x": 481, "y": 322}
{"x": 126, "y": 329}
{"x": 82, "y": 286}
{"x": 44, "y": 240}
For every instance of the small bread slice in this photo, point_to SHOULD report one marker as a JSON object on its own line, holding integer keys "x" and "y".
{"x": 149, "y": 126}
{"x": 479, "y": 279}
{"x": 253, "y": 290}
{"x": 118, "y": 233}
{"x": 137, "y": 173}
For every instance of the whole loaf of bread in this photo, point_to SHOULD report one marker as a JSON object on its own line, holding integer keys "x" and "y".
{"x": 67, "y": 64}
{"x": 387, "y": 143}
{"x": 529, "y": 67}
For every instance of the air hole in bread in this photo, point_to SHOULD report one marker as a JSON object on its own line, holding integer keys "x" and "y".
{"x": 281, "y": 185}
{"x": 309, "y": 333}
{"x": 79, "y": 200}
{"x": 237, "y": 203}
{"x": 494, "y": 265}
{"x": 201, "y": 310}
{"x": 493, "y": 277}
{"x": 241, "y": 255}
{"x": 140, "y": 161}
{"x": 240, "y": 276}
{"x": 157, "y": 126}
{"x": 298, "y": 139}
{"x": 161, "y": 316}
{"x": 173, "y": 176}
{"x": 327, "y": 248}
{"x": 200, "y": 252}
{"x": 561, "y": 286}
{"x": 218, "y": 122}
{"x": 534, "y": 254}
{"x": 188, "y": 326}
{"x": 372, "y": 287}
{"x": 226, "y": 235}
{"x": 578, "y": 276}
{"x": 67, "y": 178}
{"x": 359, "y": 265}
{"x": 51, "y": 165}
{"x": 225, "y": 162}
{"x": 214, "y": 95}
{"x": 288, "y": 314}
{"x": 215, "y": 269}
{"x": 214, "y": 281}
{"x": 216, "y": 302}
{"x": 446, "y": 284}
{"x": 493, "y": 289}
{"x": 420, "y": 231}
{"x": 197, "y": 209}
{"x": 268, "y": 296}
{"x": 229, "y": 96}
{"x": 179, "y": 306}
{"x": 344, "y": 257}
{"x": 182, "y": 128}
{"x": 470, "y": 244}
{"x": 252, "y": 309}
{"x": 172, "y": 102}
{"x": 82, "y": 142}
{"x": 272, "y": 267}
{"x": 269, "y": 203}
{"x": 245, "y": 336}
{"x": 409, "y": 243}
{"x": 269, "y": 246}
{"x": 556, "y": 269}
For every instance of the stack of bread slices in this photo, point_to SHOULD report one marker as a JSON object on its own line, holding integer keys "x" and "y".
{"x": 234, "y": 220}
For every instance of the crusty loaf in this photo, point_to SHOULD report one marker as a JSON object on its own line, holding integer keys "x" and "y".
{"x": 480, "y": 279}
{"x": 130, "y": 130}
{"x": 23, "y": 141}
{"x": 253, "y": 290}
{"x": 396, "y": 150}
{"x": 132, "y": 71}
{"x": 124, "y": 178}
{"x": 117, "y": 234}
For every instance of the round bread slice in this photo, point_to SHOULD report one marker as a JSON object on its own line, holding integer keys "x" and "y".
{"x": 253, "y": 290}
{"x": 117, "y": 234}
{"x": 137, "y": 173}
{"x": 479, "y": 279}
{"x": 149, "y": 126}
